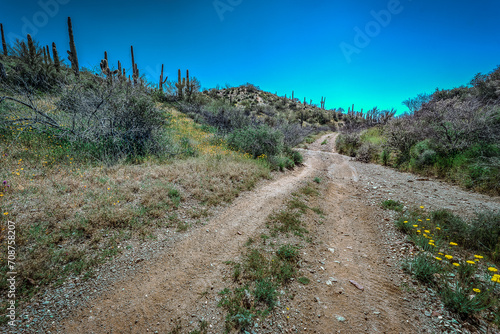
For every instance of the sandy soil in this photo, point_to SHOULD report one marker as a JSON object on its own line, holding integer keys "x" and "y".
{"x": 181, "y": 284}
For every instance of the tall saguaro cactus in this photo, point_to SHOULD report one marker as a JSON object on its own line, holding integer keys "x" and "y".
{"x": 162, "y": 81}
{"x": 120, "y": 70}
{"x": 33, "y": 52}
{"x": 135, "y": 70}
{"x": 4, "y": 44}
{"x": 57, "y": 63}
{"x": 181, "y": 82}
{"x": 73, "y": 58}
{"x": 48, "y": 54}
{"x": 189, "y": 86}
{"x": 132, "y": 53}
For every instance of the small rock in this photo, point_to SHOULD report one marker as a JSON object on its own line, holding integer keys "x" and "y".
{"x": 435, "y": 313}
{"x": 340, "y": 318}
{"x": 357, "y": 285}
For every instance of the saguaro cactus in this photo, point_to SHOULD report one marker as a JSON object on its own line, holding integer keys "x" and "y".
{"x": 57, "y": 63}
{"x": 45, "y": 60}
{"x": 72, "y": 56}
{"x": 189, "y": 86}
{"x": 120, "y": 70}
{"x": 132, "y": 52}
{"x": 292, "y": 95}
{"x": 48, "y": 54}
{"x": 33, "y": 52}
{"x": 105, "y": 68}
{"x": 4, "y": 44}
{"x": 31, "y": 47}
{"x": 107, "y": 72}
{"x": 181, "y": 82}
{"x": 162, "y": 81}
{"x": 135, "y": 74}
{"x": 323, "y": 99}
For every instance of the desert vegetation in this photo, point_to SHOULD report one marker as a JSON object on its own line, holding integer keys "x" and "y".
{"x": 451, "y": 134}
{"x": 457, "y": 258}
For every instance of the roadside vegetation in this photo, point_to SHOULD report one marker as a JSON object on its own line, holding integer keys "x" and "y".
{"x": 458, "y": 259}
{"x": 451, "y": 134}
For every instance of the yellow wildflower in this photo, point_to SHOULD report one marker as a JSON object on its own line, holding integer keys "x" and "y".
{"x": 427, "y": 231}
{"x": 471, "y": 262}
{"x": 438, "y": 228}
{"x": 449, "y": 257}
{"x": 438, "y": 258}
{"x": 476, "y": 290}
{"x": 421, "y": 207}
{"x": 496, "y": 278}
{"x": 415, "y": 225}
{"x": 456, "y": 264}
{"x": 478, "y": 256}
{"x": 490, "y": 268}
{"x": 453, "y": 243}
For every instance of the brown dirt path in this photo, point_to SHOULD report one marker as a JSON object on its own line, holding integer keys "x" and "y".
{"x": 181, "y": 285}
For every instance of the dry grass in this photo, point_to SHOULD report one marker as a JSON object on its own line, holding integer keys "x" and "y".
{"x": 71, "y": 215}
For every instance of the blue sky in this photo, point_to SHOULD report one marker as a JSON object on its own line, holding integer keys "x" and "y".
{"x": 367, "y": 53}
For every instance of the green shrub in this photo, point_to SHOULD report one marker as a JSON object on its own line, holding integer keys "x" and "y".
{"x": 288, "y": 253}
{"x": 367, "y": 152}
{"x": 385, "y": 155}
{"x": 484, "y": 233}
{"x": 452, "y": 226}
{"x": 423, "y": 268}
{"x": 348, "y": 143}
{"x": 303, "y": 280}
{"x": 257, "y": 141}
{"x": 286, "y": 271}
{"x": 296, "y": 157}
{"x": 457, "y": 298}
{"x": 392, "y": 205}
{"x": 280, "y": 162}
{"x": 265, "y": 291}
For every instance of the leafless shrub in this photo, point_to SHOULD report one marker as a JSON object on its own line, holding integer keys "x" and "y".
{"x": 402, "y": 133}
{"x": 454, "y": 125}
{"x": 112, "y": 118}
{"x": 367, "y": 152}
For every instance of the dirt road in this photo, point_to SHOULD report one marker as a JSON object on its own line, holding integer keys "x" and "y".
{"x": 182, "y": 283}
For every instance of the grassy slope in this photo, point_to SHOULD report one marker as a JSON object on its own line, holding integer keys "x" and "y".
{"x": 72, "y": 215}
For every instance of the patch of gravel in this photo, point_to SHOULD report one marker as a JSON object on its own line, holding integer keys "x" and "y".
{"x": 378, "y": 183}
